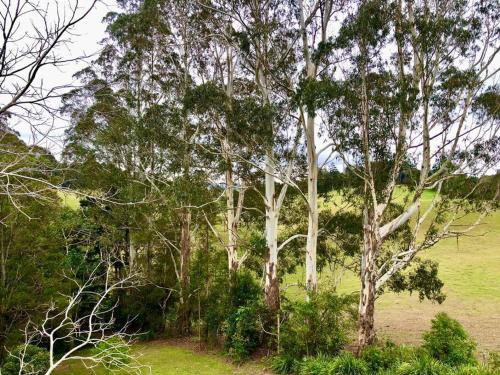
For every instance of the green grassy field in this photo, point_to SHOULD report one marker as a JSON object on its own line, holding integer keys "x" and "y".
{"x": 175, "y": 358}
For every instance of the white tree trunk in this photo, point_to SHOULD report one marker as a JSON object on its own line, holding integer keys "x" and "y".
{"x": 312, "y": 198}
{"x": 132, "y": 255}
{"x": 232, "y": 256}
{"x": 272, "y": 216}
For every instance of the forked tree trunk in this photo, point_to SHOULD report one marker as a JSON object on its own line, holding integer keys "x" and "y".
{"x": 366, "y": 323}
{"x": 272, "y": 293}
{"x": 185, "y": 247}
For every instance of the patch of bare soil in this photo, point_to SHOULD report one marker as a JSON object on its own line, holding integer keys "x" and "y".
{"x": 406, "y": 320}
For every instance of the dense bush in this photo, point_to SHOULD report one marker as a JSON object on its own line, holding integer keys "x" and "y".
{"x": 344, "y": 364}
{"x": 474, "y": 370}
{"x": 284, "y": 364}
{"x": 319, "y": 326}
{"x": 448, "y": 342}
{"x": 347, "y": 364}
{"x": 423, "y": 365}
{"x": 242, "y": 332}
{"x": 447, "y": 350}
{"x": 319, "y": 365}
{"x": 380, "y": 358}
{"x": 233, "y": 313}
{"x": 36, "y": 361}
{"x": 217, "y": 298}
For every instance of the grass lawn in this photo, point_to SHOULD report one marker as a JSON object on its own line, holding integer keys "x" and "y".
{"x": 174, "y": 358}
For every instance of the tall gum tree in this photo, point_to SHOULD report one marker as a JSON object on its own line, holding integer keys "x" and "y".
{"x": 264, "y": 48}
{"x": 419, "y": 77}
{"x": 315, "y": 24}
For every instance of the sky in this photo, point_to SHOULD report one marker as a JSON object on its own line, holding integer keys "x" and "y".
{"x": 85, "y": 41}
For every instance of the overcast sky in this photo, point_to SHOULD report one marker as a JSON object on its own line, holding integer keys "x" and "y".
{"x": 85, "y": 41}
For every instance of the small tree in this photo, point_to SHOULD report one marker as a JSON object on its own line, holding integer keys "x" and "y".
{"x": 64, "y": 326}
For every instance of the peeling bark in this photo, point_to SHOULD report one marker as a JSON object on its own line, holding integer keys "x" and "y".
{"x": 366, "y": 318}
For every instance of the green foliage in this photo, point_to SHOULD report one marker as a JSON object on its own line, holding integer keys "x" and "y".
{"x": 319, "y": 326}
{"x": 219, "y": 299}
{"x": 422, "y": 278}
{"x": 32, "y": 255}
{"x": 380, "y": 358}
{"x": 423, "y": 365}
{"x": 474, "y": 370}
{"x": 448, "y": 342}
{"x": 284, "y": 364}
{"x": 319, "y": 365}
{"x": 228, "y": 309}
{"x": 148, "y": 304}
{"x": 35, "y": 361}
{"x": 347, "y": 364}
{"x": 242, "y": 332}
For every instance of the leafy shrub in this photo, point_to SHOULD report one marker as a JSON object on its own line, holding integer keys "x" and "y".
{"x": 244, "y": 289}
{"x": 375, "y": 358}
{"x": 218, "y": 301}
{"x": 448, "y": 342}
{"x": 347, "y": 364}
{"x": 424, "y": 365}
{"x": 319, "y": 326}
{"x": 494, "y": 361}
{"x": 474, "y": 370}
{"x": 113, "y": 352}
{"x": 36, "y": 361}
{"x": 389, "y": 356}
{"x": 242, "y": 332}
{"x": 284, "y": 364}
{"x": 319, "y": 365}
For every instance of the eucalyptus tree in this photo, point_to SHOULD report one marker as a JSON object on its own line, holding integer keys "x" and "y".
{"x": 316, "y": 30}
{"x": 266, "y": 47}
{"x": 130, "y": 119}
{"x": 224, "y": 103}
{"x": 417, "y": 91}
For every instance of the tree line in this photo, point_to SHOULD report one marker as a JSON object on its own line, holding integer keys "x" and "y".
{"x": 213, "y": 140}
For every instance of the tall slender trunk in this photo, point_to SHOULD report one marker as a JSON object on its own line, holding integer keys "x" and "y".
{"x": 272, "y": 293}
{"x": 132, "y": 252}
{"x": 3, "y": 267}
{"x": 371, "y": 245}
{"x": 148, "y": 259}
{"x": 185, "y": 247}
{"x": 312, "y": 198}
{"x": 231, "y": 223}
